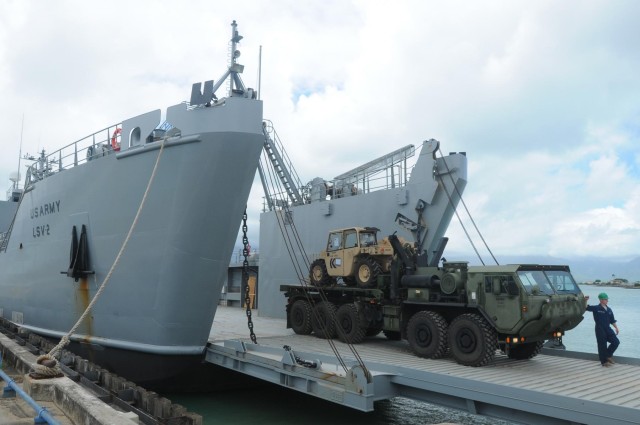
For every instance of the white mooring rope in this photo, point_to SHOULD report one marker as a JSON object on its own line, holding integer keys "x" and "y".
{"x": 49, "y": 371}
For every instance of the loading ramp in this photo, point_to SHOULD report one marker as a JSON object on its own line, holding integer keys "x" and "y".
{"x": 549, "y": 389}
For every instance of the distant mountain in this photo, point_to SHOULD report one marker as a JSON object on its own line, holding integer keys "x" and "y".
{"x": 584, "y": 269}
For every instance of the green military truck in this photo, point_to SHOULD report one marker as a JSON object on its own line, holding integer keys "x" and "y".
{"x": 454, "y": 309}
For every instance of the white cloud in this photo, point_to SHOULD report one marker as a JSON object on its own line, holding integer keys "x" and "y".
{"x": 563, "y": 203}
{"x": 604, "y": 232}
{"x": 542, "y": 96}
{"x": 608, "y": 179}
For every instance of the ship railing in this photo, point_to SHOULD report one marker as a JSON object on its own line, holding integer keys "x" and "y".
{"x": 383, "y": 179}
{"x": 320, "y": 190}
{"x": 99, "y": 144}
{"x": 386, "y": 164}
{"x": 4, "y": 240}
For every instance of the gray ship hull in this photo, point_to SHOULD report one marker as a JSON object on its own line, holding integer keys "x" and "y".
{"x": 162, "y": 296}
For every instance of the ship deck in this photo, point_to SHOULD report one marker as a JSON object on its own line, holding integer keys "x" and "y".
{"x": 556, "y": 387}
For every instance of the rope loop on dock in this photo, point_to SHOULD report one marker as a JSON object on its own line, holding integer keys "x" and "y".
{"x": 46, "y": 367}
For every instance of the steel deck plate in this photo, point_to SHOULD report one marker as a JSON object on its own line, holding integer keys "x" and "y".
{"x": 546, "y": 389}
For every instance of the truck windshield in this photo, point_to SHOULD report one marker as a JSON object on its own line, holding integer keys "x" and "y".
{"x": 563, "y": 282}
{"x": 535, "y": 282}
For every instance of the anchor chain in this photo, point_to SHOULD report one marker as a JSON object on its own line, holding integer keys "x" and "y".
{"x": 245, "y": 276}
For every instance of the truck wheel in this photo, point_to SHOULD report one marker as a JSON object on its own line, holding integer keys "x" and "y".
{"x": 471, "y": 340}
{"x": 353, "y": 329}
{"x": 318, "y": 274}
{"x": 367, "y": 271}
{"x": 427, "y": 334}
{"x": 393, "y": 335}
{"x": 300, "y": 317}
{"x": 525, "y": 351}
{"x": 323, "y": 321}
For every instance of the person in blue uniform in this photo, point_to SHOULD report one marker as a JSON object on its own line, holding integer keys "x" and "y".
{"x": 603, "y": 316}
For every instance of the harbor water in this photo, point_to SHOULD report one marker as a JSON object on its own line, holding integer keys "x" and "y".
{"x": 275, "y": 405}
{"x": 625, "y": 304}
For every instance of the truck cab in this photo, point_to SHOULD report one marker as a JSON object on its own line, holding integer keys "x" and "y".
{"x": 527, "y": 303}
{"x": 477, "y": 308}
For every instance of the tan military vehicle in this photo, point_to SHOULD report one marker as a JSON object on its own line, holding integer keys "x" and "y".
{"x": 353, "y": 254}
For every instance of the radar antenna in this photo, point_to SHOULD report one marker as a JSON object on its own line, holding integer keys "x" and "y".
{"x": 235, "y": 69}
{"x": 203, "y": 96}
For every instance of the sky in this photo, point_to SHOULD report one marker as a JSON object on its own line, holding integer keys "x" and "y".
{"x": 543, "y": 96}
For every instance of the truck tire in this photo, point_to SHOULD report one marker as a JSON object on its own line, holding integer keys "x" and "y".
{"x": 525, "y": 351}
{"x": 427, "y": 334}
{"x": 353, "y": 328}
{"x": 367, "y": 271}
{"x": 318, "y": 275}
{"x": 323, "y": 321}
{"x": 300, "y": 317}
{"x": 471, "y": 340}
{"x": 393, "y": 335}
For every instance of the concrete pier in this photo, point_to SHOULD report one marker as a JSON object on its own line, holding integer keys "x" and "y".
{"x": 15, "y": 411}
{"x": 86, "y": 386}
{"x": 66, "y": 400}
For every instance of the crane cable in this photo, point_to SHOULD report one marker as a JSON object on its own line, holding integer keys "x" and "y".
{"x": 281, "y": 215}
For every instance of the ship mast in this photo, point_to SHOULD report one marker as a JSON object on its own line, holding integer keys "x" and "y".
{"x": 16, "y": 183}
{"x": 235, "y": 68}
{"x": 236, "y": 86}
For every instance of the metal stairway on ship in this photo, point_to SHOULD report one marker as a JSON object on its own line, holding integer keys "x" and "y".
{"x": 361, "y": 179}
{"x": 16, "y": 196}
{"x": 284, "y": 169}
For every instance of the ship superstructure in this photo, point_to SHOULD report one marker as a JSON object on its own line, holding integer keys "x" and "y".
{"x": 417, "y": 201}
